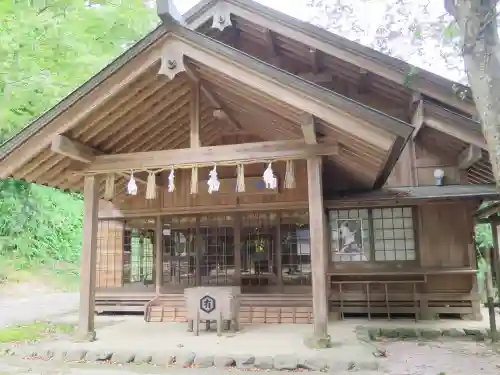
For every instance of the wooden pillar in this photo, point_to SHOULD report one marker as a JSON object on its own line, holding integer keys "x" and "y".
{"x": 198, "y": 252}
{"x": 279, "y": 253}
{"x": 319, "y": 258}
{"x": 158, "y": 254}
{"x": 86, "y": 327}
{"x": 237, "y": 249}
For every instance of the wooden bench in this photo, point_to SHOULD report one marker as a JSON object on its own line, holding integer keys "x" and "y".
{"x": 375, "y": 302}
{"x": 121, "y": 302}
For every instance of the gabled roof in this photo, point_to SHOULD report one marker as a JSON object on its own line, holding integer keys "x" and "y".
{"x": 133, "y": 75}
{"x": 393, "y": 69}
{"x": 445, "y": 116}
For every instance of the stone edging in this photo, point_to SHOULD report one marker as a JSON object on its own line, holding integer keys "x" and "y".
{"x": 405, "y": 333}
{"x": 189, "y": 359}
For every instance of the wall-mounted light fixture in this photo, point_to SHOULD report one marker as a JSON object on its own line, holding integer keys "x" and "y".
{"x": 438, "y": 177}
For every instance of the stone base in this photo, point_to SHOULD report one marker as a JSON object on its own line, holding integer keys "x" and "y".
{"x": 314, "y": 342}
{"x": 80, "y": 336}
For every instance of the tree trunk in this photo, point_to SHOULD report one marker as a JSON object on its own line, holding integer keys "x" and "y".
{"x": 477, "y": 22}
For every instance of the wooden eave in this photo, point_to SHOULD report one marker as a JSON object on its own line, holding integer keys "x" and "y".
{"x": 302, "y": 33}
{"x": 416, "y": 195}
{"x": 129, "y": 108}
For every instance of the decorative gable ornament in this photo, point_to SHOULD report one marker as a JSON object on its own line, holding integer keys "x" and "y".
{"x": 172, "y": 59}
{"x": 222, "y": 17}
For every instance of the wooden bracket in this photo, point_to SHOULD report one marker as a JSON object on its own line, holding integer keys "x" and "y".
{"x": 222, "y": 17}
{"x": 172, "y": 60}
{"x": 79, "y": 152}
{"x": 73, "y": 149}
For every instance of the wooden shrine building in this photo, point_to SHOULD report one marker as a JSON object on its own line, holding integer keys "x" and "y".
{"x": 337, "y": 185}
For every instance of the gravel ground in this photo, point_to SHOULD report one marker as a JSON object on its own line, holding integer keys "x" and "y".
{"x": 36, "y": 307}
{"x": 450, "y": 358}
{"x": 404, "y": 358}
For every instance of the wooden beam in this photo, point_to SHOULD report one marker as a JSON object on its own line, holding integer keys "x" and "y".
{"x": 73, "y": 149}
{"x": 86, "y": 327}
{"x": 79, "y": 152}
{"x": 417, "y": 119}
{"x": 471, "y": 155}
{"x": 214, "y": 102}
{"x": 309, "y": 130}
{"x": 318, "y": 78}
{"x": 318, "y": 240}
{"x": 206, "y": 156}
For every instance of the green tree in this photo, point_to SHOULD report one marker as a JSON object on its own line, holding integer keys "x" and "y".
{"x": 47, "y": 49}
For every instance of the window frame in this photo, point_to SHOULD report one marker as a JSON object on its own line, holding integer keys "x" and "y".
{"x": 371, "y": 239}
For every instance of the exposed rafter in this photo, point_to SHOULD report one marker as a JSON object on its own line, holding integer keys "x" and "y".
{"x": 365, "y": 78}
{"x": 272, "y": 48}
{"x": 214, "y": 102}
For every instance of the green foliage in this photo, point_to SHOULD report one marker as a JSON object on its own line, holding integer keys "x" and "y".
{"x": 47, "y": 49}
{"x": 33, "y": 331}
